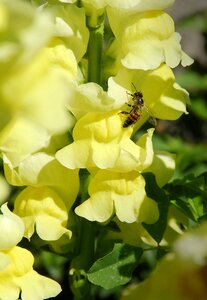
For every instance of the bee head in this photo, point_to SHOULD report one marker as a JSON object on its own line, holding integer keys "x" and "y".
{"x": 139, "y": 98}
{"x": 138, "y": 95}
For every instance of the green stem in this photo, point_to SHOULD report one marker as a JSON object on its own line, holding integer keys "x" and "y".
{"x": 81, "y": 264}
{"x": 85, "y": 248}
{"x": 95, "y": 47}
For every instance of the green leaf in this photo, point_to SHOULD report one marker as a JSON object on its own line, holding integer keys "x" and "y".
{"x": 190, "y": 185}
{"x": 153, "y": 191}
{"x": 189, "y": 194}
{"x": 184, "y": 208}
{"x": 116, "y": 267}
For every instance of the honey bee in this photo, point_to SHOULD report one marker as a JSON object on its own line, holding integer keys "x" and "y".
{"x": 136, "y": 110}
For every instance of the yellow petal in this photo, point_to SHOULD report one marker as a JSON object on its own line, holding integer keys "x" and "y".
{"x": 12, "y": 228}
{"x": 45, "y": 209}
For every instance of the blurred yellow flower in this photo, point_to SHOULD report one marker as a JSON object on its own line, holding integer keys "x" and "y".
{"x": 69, "y": 27}
{"x": 18, "y": 277}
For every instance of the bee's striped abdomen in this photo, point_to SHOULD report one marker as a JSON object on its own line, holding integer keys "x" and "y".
{"x": 131, "y": 119}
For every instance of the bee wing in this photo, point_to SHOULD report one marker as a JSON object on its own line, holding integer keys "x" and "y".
{"x": 151, "y": 118}
{"x": 152, "y": 121}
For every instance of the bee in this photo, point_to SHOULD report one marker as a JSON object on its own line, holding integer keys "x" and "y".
{"x": 136, "y": 109}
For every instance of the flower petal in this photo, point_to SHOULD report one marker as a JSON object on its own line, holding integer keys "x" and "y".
{"x": 12, "y": 228}
{"x": 45, "y": 209}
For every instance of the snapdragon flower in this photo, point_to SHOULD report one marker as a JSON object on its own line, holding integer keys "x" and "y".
{"x": 120, "y": 193}
{"x": 21, "y": 34}
{"x": 42, "y": 209}
{"x": 69, "y": 28}
{"x": 99, "y": 141}
{"x": 123, "y": 194}
{"x": 163, "y": 97}
{"x": 16, "y": 264}
{"x": 5, "y": 189}
{"x": 44, "y": 204}
{"x": 18, "y": 277}
{"x": 42, "y": 169}
{"x": 63, "y": 109}
{"x": 12, "y": 228}
{"x": 147, "y": 41}
{"x": 135, "y": 6}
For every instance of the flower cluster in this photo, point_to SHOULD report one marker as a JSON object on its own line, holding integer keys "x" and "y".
{"x": 62, "y": 98}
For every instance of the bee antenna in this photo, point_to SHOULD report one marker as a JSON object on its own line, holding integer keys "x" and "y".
{"x": 134, "y": 87}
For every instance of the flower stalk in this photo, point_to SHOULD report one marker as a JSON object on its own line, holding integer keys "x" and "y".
{"x": 94, "y": 53}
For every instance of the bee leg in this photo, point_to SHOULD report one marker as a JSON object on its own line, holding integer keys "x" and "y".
{"x": 124, "y": 112}
{"x": 129, "y": 94}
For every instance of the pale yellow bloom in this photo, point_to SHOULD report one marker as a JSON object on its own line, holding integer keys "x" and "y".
{"x": 39, "y": 91}
{"x": 147, "y": 40}
{"x": 163, "y": 97}
{"x": 17, "y": 276}
{"x": 21, "y": 138}
{"x": 5, "y": 190}
{"x": 21, "y": 34}
{"x": 134, "y": 233}
{"x": 42, "y": 209}
{"x": 70, "y": 27}
{"x": 11, "y": 227}
{"x": 117, "y": 193}
{"x": 89, "y": 97}
{"x": 41, "y": 169}
{"x": 177, "y": 224}
{"x": 163, "y": 167}
{"x": 135, "y": 6}
{"x": 100, "y": 141}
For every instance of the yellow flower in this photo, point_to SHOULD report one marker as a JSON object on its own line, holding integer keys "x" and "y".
{"x": 70, "y": 27}
{"x": 39, "y": 91}
{"x": 21, "y": 34}
{"x": 147, "y": 40}
{"x": 20, "y": 138}
{"x": 134, "y": 233}
{"x": 163, "y": 97}
{"x": 163, "y": 167}
{"x": 5, "y": 190}
{"x": 12, "y": 228}
{"x": 135, "y": 6}
{"x": 177, "y": 225}
{"x": 100, "y": 141}
{"x": 89, "y": 97}
{"x": 117, "y": 193}
{"x": 41, "y": 169}
{"x": 42, "y": 209}
{"x": 17, "y": 276}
